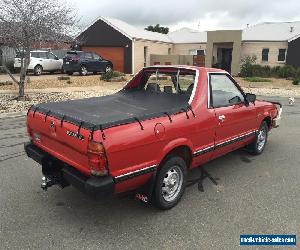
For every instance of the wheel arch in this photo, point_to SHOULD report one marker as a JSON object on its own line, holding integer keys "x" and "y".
{"x": 268, "y": 120}
{"x": 182, "y": 148}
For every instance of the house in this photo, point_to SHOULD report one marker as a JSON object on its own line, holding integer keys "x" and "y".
{"x": 131, "y": 48}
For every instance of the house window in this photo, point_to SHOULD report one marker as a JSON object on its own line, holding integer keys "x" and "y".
{"x": 169, "y": 51}
{"x": 265, "y": 55}
{"x": 281, "y": 55}
{"x": 145, "y": 55}
{"x": 200, "y": 52}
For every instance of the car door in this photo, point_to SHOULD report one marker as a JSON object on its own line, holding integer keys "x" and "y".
{"x": 89, "y": 61}
{"x": 54, "y": 63}
{"x": 235, "y": 119}
{"x": 99, "y": 64}
{"x": 44, "y": 61}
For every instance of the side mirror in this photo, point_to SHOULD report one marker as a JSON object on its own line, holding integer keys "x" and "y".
{"x": 56, "y": 58}
{"x": 250, "y": 97}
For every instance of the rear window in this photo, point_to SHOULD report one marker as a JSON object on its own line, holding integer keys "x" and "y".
{"x": 175, "y": 82}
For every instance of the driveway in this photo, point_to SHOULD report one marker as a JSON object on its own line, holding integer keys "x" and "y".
{"x": 255, "y": 195}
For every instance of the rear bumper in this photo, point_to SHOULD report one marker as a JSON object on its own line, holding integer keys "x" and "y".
{"x": 95, "y": 187}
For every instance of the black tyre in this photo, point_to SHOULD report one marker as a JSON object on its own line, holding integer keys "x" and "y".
{"x": 83, "y": 70}
{"x": 38, "y": 70}
{"x": 95, "y": 72}
{"x": 170, "y": 183}
{"x": 258, "y": 146}
{"x": 108, "y": 68}
{"x": 69, "y": 73}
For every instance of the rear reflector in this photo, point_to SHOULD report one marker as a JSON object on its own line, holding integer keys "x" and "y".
{"x": 97, "y": 159}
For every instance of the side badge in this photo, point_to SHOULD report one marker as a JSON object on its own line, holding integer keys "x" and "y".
{"x": 75, "y": 135}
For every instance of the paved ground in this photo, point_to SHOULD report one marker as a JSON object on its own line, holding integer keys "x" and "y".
{"x": 255, "y": 195}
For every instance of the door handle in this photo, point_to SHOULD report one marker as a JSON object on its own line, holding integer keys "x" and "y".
{"x": 221, "y": 118}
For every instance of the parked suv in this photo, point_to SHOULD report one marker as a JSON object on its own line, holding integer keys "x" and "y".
{"x": 41, "y": 60}
{"x": 84, "y": 62}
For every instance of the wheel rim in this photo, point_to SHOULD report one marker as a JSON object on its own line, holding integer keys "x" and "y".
{"x": 172, "y": 184}
{"x": 107, "y": 69}
{"x": 83, "y": 71}
{"x": 38, "y": 70}
{"x": 261, "y": 139}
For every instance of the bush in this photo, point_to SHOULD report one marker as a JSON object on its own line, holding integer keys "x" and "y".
{"x": 257, "y": 79}
{"x": 247, "y": 66}
{"x": 287, "y": 71}
{"x": 111, "y": 74}
{"x": 296, "y": 81}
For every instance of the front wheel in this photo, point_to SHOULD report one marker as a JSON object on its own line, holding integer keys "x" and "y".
{"x": 170, "y": 183}
{"x": 258, "y": 146}
{"x": 108, "y": 68}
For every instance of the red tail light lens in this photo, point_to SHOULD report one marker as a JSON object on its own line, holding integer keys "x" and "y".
{"x": 97, "y": 159}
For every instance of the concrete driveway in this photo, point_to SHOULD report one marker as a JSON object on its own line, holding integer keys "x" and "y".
{"x": 255, "y": 195}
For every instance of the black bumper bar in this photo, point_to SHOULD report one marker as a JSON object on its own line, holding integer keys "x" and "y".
{"x": 95, "y": 187}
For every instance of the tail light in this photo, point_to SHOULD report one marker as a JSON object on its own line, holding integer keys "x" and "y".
{"x": 97, "y": 159}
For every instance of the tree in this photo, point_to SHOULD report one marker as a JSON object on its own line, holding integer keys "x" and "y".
{"x": 158, "y": 28}
{"x": 26, "y": 23}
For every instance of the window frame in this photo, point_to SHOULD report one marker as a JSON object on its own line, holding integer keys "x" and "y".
{"x": 86, "y": 58}
{"x": 262, "y": 55}
{"x": 279, "y": 55}
{"x": 209, "y": 90}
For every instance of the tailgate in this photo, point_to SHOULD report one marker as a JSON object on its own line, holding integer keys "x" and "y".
{"x": 61, "y": 139}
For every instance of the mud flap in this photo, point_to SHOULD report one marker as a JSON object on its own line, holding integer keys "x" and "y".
{"x": 145, "y": 192}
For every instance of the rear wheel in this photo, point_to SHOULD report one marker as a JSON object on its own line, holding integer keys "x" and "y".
{"x": 83, "y": 70}
{"x": 38, "y": 70}
{"x": 258, "y": 146}
{"x": 170, "y": 183}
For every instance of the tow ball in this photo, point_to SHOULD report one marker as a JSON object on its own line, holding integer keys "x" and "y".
{"x": 46, "y": 182}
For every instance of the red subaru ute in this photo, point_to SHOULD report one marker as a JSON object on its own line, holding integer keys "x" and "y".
{"x": 147, "y": 136}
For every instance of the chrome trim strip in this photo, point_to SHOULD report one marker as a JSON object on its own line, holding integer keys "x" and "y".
{"x": 135, "y": 173}
{"x": 225, "y": 143}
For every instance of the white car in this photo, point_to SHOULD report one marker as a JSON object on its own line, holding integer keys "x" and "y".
{"x": 40, "y": 61}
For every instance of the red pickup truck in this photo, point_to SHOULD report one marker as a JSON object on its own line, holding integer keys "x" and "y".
{"x": 165, "y": 121}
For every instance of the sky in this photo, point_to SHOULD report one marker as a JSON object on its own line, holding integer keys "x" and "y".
{"x": 196, "y": 14}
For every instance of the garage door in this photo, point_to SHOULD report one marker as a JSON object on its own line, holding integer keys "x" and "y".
{"x": 114, "y": 54}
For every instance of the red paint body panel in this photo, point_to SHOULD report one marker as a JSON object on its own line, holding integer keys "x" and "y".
{"x": 129, "y": 148}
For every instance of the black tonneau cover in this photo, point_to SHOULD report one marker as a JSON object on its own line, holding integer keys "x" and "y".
{"x": 123, "y": 107}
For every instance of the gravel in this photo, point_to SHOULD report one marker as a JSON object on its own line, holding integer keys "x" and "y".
{"x": 8, "y": 105}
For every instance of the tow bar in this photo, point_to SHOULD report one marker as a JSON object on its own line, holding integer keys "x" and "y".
{"x": 46, "y": 182}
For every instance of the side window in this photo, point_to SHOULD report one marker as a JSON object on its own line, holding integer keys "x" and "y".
{"x": 223, "y": 91}
{"x": 51, "y": 56}
{"x": 97, "y": 57}
{"x": 43, "y": 55}
{"x": 35, "y": 54}
{"x": 88, "y": 56}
